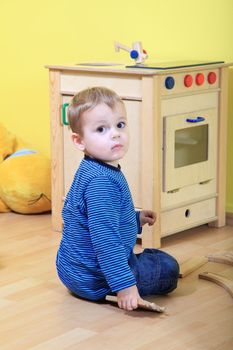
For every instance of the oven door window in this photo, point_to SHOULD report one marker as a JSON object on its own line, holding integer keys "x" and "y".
{"x": 191, "y": 145}
{"x": 189, "y": 149}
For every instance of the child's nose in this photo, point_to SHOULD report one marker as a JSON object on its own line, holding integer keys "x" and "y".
{"x": 115, "y": 133}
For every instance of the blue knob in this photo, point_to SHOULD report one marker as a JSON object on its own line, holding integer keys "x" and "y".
{"x": 134, "y": 54}
{"x": 169, "y": 82}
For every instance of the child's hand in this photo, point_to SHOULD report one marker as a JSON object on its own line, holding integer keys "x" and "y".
{"x": 147, "y": 217}
{"x": 128, "y": 298}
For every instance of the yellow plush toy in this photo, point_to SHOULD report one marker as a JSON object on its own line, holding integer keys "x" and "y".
{"x": 24, "y": 177}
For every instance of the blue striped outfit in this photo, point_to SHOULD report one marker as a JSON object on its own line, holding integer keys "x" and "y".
{"x": 100, "y": 231}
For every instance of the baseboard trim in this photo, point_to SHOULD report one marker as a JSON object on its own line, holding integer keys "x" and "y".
{"x": 229, "y": 219}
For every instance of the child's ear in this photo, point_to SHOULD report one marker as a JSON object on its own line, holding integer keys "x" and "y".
{"x": 78, "y": 141}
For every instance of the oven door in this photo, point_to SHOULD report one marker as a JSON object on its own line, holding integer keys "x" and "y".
{"x": 189, "y": 149}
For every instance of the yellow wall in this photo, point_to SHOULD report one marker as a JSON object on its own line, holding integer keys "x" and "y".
{"x": 35, "y": 33}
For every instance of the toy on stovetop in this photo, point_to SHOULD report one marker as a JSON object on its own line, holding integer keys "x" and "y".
{"x": 136, "y": 52}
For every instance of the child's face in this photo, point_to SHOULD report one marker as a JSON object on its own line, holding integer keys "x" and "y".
{"x": 104, "y": 133}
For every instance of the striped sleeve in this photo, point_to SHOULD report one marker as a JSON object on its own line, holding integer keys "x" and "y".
{"x": 103, "y": 199}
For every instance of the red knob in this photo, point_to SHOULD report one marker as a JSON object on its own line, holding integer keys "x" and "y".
{"x": 200, "y": 79}
{"x": 212, "y": 77}
{"x": 188, "y": 80}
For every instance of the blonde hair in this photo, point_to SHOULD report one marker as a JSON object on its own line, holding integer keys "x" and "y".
{"x": 88, "y": 99}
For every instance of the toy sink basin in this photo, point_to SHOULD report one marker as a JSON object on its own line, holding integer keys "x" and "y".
{"x": 100, "y": 64}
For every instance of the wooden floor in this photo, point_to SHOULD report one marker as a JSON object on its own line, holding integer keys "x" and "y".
{"x": 38, "y": 313}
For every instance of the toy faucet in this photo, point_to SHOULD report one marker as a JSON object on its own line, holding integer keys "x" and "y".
{"x": 136, "y": 52}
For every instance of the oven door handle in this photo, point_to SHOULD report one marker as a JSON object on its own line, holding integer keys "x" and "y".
{"x": 195, "y": 120}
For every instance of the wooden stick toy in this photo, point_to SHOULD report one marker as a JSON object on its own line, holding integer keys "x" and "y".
{"x": 146, "y": 305}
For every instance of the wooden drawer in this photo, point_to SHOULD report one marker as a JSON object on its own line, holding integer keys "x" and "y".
{"x": 129, "y": 87}
{"x": 188, "y": 216}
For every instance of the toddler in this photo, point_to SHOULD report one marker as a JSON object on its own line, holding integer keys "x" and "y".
{"x": 96, "y": 257}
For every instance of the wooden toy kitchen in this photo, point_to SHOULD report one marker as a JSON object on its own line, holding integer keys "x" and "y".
{"x": 176, "y": 163}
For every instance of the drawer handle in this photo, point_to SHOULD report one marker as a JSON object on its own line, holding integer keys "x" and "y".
{"x": 204, "y": 182}
{"x": 173, "y": 191}
{"x": 195, "y": 120}
{"x": 187, "y": 213}
{"x": 64, "y": 108}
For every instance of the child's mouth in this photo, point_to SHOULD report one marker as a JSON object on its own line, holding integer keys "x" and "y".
{"x": 117, "y": 147}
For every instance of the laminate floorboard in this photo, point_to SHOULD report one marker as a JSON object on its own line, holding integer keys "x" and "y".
{"x": 38, "y": 313}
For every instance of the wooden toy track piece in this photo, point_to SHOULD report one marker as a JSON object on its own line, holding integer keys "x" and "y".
{"x": 218, "y": 279}
{"x": 191, "y": 265}
{"x": 146, "y": 306}
{"x": 222, "y": 258}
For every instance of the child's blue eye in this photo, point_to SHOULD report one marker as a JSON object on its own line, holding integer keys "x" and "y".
{"x": 121, "y": 125}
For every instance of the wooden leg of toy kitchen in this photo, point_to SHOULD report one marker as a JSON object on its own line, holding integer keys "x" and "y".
{"x": 191, "y": 265}
{"x": 222, "y": 258}
{"x": 146, "y": 305}
{"x": 222, "y": 281}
